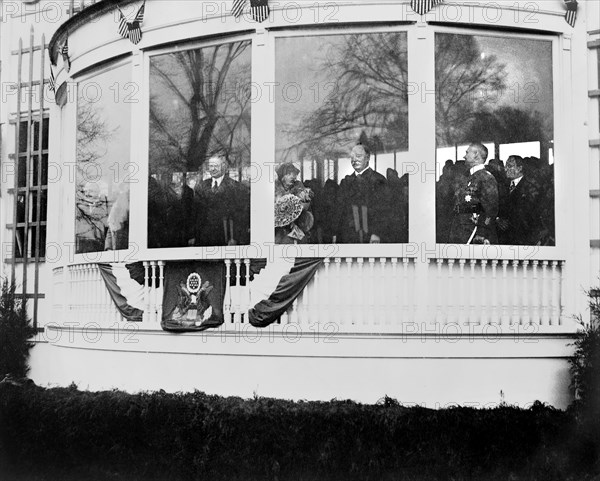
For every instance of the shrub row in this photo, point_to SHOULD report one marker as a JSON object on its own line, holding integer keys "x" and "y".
{"x": 113, "y": 435}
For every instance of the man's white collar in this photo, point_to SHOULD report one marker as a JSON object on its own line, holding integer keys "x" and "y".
{"x": 362, "y": 171}
{"x": 477, "y": 168}
{"x": 516, "y": 181}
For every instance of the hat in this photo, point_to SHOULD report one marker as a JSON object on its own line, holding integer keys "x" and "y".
{"x": 287, "y": 209}
{"x": 286, "y": 168}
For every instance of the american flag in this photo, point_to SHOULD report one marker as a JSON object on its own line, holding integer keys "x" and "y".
{"x": 259, "y": 9}
{"x": 64, "y": 51}
{"x": 238, "y": 7}
{"x": 132, "y": 30}
{"x": 423, "y": 6}
{"x": 52, "y": 81}
{"x": 571, "y": 14}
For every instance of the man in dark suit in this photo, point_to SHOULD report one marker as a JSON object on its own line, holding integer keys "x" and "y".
{"x": 475, "y": 202}
{"x": 221, "y": 216}
{"x": 363, "y": 203}
{"x": 520, "y": 223}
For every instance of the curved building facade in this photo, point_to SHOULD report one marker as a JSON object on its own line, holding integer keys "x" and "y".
{"x": 314, "y": 200}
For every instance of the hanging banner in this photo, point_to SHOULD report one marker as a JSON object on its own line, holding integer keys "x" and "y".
{"x": 193, "y": 296}
{"x": 275, "y": 287}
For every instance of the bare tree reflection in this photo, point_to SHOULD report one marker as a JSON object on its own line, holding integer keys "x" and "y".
{"x": 199, "y": 106}
{"x": 371, "y": 96}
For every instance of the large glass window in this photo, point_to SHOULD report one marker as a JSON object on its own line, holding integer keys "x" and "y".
{"x": 199, "y": 153}
{"x": 494, "y": 129}
{"x": 341, "y": 117}
{"x": 104, "y": 169}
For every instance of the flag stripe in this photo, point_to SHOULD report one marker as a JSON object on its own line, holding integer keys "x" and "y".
{"x": 126, "y": 293}
{"x": 139, "y": 17}
{"x": 423, "y": 6}
{"x": 238, "y": 7}
{"x": 259, "y": 10}
{"x": 123, "y": 28}
{"x": 289, "y": 287}
{"x": 52, "y": 80}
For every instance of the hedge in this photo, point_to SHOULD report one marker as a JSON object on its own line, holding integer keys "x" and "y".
{"x": 64, "y": 433}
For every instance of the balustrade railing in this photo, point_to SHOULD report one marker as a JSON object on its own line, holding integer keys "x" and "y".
{"x": 501, "y": 292}
{"x": 375, "y": 295}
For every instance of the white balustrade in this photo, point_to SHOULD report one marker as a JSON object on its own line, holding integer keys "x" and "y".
{"x": 374, "y": 295}
{"x": 502, "y": 292}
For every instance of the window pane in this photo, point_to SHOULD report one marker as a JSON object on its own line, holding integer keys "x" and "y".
{"x": 23, "y": 136}
{"x": 199, "y": 137}
{"x": 22, "y": 175}
{"x": 494, "y": 128}
{"x": 334, "y": 92}
{"x": 35, "y": 161}
{"x": 103, "y": 167}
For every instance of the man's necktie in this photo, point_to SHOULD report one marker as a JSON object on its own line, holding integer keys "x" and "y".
{"x": 512, "y": 186}
{"x": 215, "y": 185}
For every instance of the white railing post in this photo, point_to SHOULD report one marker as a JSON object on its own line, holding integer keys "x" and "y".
{"x": 526, "y": 295}
{"x": 146, "y": 316}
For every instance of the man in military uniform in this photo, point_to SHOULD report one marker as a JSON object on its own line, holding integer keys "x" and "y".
{"x": 475, "y": 202}
{"x": 363, "y": 203}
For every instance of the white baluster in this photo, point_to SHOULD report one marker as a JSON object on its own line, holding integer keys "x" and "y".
{"x": 95, "y": 293}
{"x": 228, "y": 287}
{"x": 362, "y": 307}
{"x": 408, "y": 294}
{"x": 483, "y": 317}
{"x": 70, "y": 294}
{"x": 475, "y": 292}
{"x": 535, "y": 294}
{"x": 146, "y": 316}
{"x": 384, "y": 294}
{"x": 77, "y": 289}
{"x": 153, "y": 292}
{"x": 462, "y": 285}
{"x": 451, "y": 317}
{"x": 340, "y": 311}
{"x": 505, "y": 319}
{"x": 561, "y": 290}
{"x": 440, "y": 315}
{"x": 526, "y": 295}
{"x": 397, "y": 292}
{"x": 495, "y": 296}
{"x": 371, "y": 314}
{"x": 326, "y": 286}
{"x": 248, "y": 300}
{"x": 161, "y": 289}
{"x": 554, "y": 303}
{"x": 515, "y": 319}
{"x": 237, "y": 316}
{"x": 545, "y": 319}
{"x": 349, "y": 301}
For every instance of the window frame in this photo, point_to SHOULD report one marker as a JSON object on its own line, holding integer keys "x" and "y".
{"x": 70, "y": 183}
{"x": 141, "y": 188}
{"x": 421, "y": 61}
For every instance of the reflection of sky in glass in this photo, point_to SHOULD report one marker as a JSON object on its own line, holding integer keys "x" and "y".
{"x": 298, "y": 62}
{"x": 107, "y": 94}
{"x": 304, "y": 83}
{"x": 172, "y": 101}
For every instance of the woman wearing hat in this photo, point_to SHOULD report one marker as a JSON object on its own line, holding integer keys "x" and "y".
{"x": 293, "y": 218}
